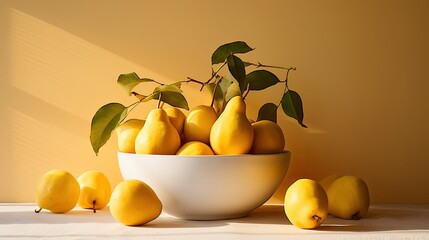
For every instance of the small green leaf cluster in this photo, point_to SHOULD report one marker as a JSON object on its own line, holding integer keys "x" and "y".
{"x": 222, "y": 88}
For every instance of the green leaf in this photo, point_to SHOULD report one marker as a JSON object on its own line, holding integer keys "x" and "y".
{"x": 139, "y": 96}
{"x": 174, "y": 99}
{"x": 174, "y": 87}
{"x": 292, "y": 106}
{"x": 268, "y": 112}
{"x": 222, "y": 52}
{"x": 236, "y": 68}
{"x": 104, "y": 122}
{"x": 151, "y": 96}
{"x": 224, "y": 83}
{"x": 219, "y": 94}
{"x": 165, "y": 88}
{"x": 129, "y": 80}
{"x": 232, "y": 90}
{"x": 261, "y": 79}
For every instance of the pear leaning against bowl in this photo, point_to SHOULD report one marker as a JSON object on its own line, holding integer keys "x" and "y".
{"x": 208, "y": 187}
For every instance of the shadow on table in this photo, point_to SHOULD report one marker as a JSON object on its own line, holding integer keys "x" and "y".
{"x": 381, "y": 219}
{"x": 266, "y": 214}
{"x": 101, "y": 216}
{"x": 44, "y": 217}
{"x": 172, "y": 222}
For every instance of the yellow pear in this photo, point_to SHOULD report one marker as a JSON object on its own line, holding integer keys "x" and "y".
{"x": 158, "y": 135}
{"x": 306, "y": 204}
{"x": 57, "y": 191}
{"x": 134, "y": 203}
{"x": 326, "y": 181}
{"x": 268, "y": 137}
{"x": 195, "y": 148}
{"x": 232, "y": 132}
{"x": 177, "y": 118}
{"x": 348, "y": 197}
{"x": 198, "y": 124}
{"x": 95, "y": 190}
{"x": 127, "y": 133}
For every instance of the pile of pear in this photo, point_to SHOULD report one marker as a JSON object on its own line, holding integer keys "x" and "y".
{"x": 308, "y": 203}
{"x": 131, "y": 203}
{"x": 202, "y": 132}
{"x": 59, "y": 191}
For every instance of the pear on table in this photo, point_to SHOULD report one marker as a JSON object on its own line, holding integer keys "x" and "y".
{"x": 134, "y": 203}
{"x": 57, "y": 191}
{"x": 306, "y": 204}
{"x": 95, "y": 190}
{"x": 348, "y": 196}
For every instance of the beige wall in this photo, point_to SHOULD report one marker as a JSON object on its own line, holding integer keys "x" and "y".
{"x": 361, "y": 71}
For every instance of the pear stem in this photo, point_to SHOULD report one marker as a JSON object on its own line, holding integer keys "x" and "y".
{"x": 245, "y": 93}
{"x": 214, "y": 93}
{"x": 93, "y": 206}
{"x": 355, "y": 216}
{"x": 317, "y": 218}
{"x": 37, "y": 210}
{"x": 159, "y": 100}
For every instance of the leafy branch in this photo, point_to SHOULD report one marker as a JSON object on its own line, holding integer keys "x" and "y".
{"x": 222, "y": 88}
{"x": 109, "y": 116}
{"x": 258, "y": 65}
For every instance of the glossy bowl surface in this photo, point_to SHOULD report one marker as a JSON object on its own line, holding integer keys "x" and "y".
{"x": 208, "y": 187}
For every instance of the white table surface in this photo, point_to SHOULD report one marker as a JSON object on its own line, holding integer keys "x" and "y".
{"x": 19, "y": 221}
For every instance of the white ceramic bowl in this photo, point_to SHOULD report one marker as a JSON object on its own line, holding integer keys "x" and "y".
{"x": 208, "y": 187}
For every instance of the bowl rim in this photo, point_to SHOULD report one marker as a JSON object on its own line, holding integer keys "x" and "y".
{"x": 284, "y": 152}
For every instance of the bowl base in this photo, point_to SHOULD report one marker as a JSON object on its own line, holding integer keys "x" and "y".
{"x": 208, "y": 218}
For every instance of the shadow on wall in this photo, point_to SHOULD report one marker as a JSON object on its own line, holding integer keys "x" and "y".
{"x": 5, "y": 121}
{"x": 53, "y": 84}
